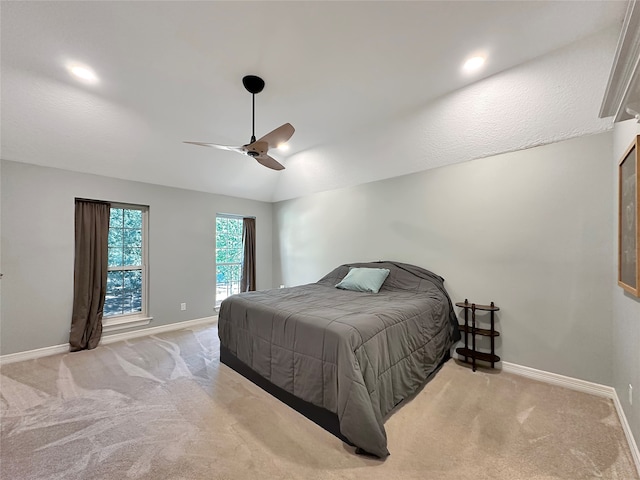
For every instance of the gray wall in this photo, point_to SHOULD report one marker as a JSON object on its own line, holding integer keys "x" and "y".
{"x": 38, "y": 249}
{"x": 626, "y": 308}
{"x": 530, "y": 230}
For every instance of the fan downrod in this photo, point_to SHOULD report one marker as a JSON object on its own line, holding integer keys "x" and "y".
{"x": 253, "y": 84}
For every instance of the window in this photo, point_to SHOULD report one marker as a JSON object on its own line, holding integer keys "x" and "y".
{"x": 228, "y": 256}
{"x": 126, "y": 276}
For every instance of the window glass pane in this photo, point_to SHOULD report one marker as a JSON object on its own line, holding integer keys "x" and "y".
{"x": 132, "y": 256}
{"x": 136, "y": 303}
{"x": 115, "y": 220}
{"x": 235, "y": 255}
{"x": 235, "y": 226}
{"x": 226, "y": 255}
{"x": 115, "y": 257}
{"x": 112, "y": 306}
{"x": 132, "y": 218}
{"x": 114, "y": 282}
{"x": 221, "y": 227}
{"x": 132, "y": 238}
{"x": 133, "y": 291}
{"x": 223, "y": 274}
{"x": 236, "y": 273}
{"x": 113, "y": 298}
{"x": 115, "y": 237}
{"x": 133, "y": 280}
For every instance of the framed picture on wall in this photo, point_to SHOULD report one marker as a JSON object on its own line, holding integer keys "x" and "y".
{"x": 629, "y": 220}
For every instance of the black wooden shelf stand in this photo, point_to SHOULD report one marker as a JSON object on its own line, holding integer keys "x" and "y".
{"x": 471, "y": 354}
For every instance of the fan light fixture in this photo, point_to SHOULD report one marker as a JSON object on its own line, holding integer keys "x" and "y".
{"x": 473, "y": 63}
{"x": 283, "y": 146}
{"x": 82, "y": 73}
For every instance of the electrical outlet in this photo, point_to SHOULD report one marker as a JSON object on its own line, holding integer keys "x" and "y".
{"x": 630, "y": 394}
{"x": 183, "y": 306}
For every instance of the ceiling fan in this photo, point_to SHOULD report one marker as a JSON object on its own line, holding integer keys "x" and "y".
{"x": 258, "y": 148}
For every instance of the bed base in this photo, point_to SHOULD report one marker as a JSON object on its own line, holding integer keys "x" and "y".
{"x": 318, "y": 415}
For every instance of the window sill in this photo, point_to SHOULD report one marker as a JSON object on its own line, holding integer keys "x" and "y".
{"x": 121, "y": 323}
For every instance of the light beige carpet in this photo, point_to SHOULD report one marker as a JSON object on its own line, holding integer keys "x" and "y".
{"x": 163, "y": 407}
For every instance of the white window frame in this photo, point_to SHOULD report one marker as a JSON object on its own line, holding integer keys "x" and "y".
{"x": 234, "y": 217}
{"x": 139, "y": 319}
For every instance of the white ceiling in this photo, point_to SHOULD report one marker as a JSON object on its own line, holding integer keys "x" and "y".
{"x": 171, "y": 71}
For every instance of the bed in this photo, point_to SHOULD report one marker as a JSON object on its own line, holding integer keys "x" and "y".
{"x": 343, "y": 358}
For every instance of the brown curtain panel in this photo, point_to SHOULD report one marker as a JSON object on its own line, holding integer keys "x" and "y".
{"x": 89, "y": 274}
{"x": 248, "y": 280}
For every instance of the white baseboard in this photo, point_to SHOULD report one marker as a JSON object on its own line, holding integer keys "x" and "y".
{"x": 585, "y": 387}
{"x": 118, "y": 337}
{"x": 105, "y": 340}
{"x": 31, "y": 354}
{"x": 627, "y": 431}
{"x": 555, "y": 379}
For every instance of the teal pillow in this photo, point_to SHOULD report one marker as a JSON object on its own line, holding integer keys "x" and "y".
{"x": 364, "y": 279}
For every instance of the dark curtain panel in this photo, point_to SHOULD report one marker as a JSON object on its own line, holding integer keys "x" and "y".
{"x": 248, "y": 281}
{"x": 89, "y": 274}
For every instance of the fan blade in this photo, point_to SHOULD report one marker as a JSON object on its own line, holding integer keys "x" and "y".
{"x": 278, "y": 136}
{"x": 269, "y": 162}
{"x": 221, "y": 147}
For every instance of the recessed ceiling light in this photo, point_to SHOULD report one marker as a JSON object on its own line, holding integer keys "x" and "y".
{"x": 474, "y": 63}
{"x": 82, "y": 72}
{"x": 283, "y": 147}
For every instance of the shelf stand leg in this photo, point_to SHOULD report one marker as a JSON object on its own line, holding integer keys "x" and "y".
{"x": 493, "y": 350}
{"x": 473, "y": 333}
{"x": 466, "y": 328}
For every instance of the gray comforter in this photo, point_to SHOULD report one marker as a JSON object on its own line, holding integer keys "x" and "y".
{"x": 355, "y": 354}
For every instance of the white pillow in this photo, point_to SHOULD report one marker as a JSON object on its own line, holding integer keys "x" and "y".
{"x": 364, "y": 279}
